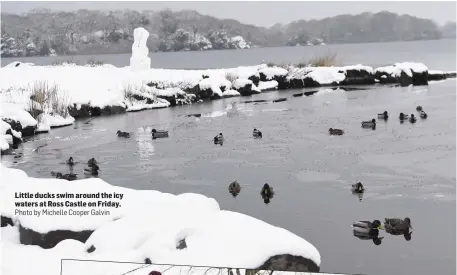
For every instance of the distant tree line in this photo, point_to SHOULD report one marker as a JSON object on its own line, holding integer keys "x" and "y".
{"x": 43, "y": 32}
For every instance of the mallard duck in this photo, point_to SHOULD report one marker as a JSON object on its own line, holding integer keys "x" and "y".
{"x": 91, "y": 162}
{"x": 396, "y": 226}
{"x": 369, "y": 124}
{"x": 335, "y": 132}
{"x": 384, "y": 115}
{"x": 267, "y": 191}
{"x": 123, "y": 134}
{"x": 419, "y": 108}
{"x": 91, "y": 169}
{"x": 219, "y": 138}
{"x": 159, "y": 133}
{"x": 70, "y": 161}
{"x": 423, "y": 115}
{"x": 403, "y": 116}
{"x": 257, "y": 134}
{"x": 234, "y": 188}
{"x": 366, "y": 227}
{"x": 412, "y": 119}
{"x": 358, "y": 188}
{"x": 68, "y": 177}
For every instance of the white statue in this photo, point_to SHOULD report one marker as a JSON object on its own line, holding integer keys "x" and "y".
{"x": 140, "y": 59}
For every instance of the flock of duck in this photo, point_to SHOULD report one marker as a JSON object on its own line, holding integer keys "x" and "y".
{"x": 90, "y": 169}
{"x": 363, "y": 229}
{"x": 385, "y": 115}
{"x": 366, "y": 230}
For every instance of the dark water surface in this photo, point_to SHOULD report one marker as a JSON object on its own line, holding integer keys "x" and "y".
{"x": 408, "y": 170}
{"x": 436, "y": 54}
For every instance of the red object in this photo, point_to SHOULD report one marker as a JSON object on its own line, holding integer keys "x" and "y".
{"x": 155, "y": 273}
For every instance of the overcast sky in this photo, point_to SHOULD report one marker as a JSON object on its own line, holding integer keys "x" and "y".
{"x": 258, "y": 13}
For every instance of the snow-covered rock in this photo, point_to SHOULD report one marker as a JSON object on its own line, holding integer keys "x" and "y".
{"x": 213, "y": 87}
{"x": 17, "y": 113}
{"x": 405, "y": 73}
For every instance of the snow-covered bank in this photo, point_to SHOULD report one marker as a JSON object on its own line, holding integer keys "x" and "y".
{"x": 104, "y": 90}
{"x": 187, "y": 229}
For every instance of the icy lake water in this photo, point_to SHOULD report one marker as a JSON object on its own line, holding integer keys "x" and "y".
{"x": 408, "y": 170}
{"x": 437, "y": 55}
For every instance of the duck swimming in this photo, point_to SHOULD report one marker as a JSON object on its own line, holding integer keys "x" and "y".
{"x": 68, "y": 177}
{"x": 256, "y": 133}
{"x": 366, "y": 227}
{"x": 92, "y": 167}
{"x": 412, "y": 119}
{"x": 234, "y": 188}
{"x": 423, "y": 115}
{"x": 219, "y": 139}
{"x": 159, "y": 133}
{"x": 122, "y": 134}
{"x": 369, "y": 124}
{"x": 70, "y": 161}
{"x": 419, "y": 108}
{"x": 384, "y": 115}
{"x": 267, "y": 191}
{"x": 335, "y": 132}
{"x": 396, "y": 226}
{"x": 358, "y": 188}
{"x": 91, "y": 162}
{"x": 91, "y": 170}
{"x": 403, "y": 116}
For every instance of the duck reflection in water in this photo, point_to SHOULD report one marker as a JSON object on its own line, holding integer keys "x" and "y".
{"x": 366, "y": 236}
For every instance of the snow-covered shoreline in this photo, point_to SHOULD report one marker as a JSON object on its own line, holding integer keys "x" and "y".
{"x": 103, "y": 90}
{"x": 193, "y": 230}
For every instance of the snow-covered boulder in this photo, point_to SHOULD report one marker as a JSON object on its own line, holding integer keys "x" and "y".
{"x": 357, "y": 75}
{"x": 245, "y": 87}
{"x": 8, "y": 136}
{"x": 268, "y": 85}
{"x": 323, "y": 76}
{"x": 275, "y": 73}
{"x": 406, "y": 73}
{"x": 140, "y": 51}
{"x": 213, "y": 87}
{"x": 15, "y": 112}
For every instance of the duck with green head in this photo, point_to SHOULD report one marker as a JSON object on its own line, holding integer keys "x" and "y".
{"x": 369, "y": 124}
{"x": 159, "y": 133}
{"x": 367, "y": 226}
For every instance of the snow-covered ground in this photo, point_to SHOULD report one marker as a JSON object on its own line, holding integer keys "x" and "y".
{"x": 148, "y": 224}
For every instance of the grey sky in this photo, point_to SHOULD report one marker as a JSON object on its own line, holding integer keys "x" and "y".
{"x": 258, "y": 13}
